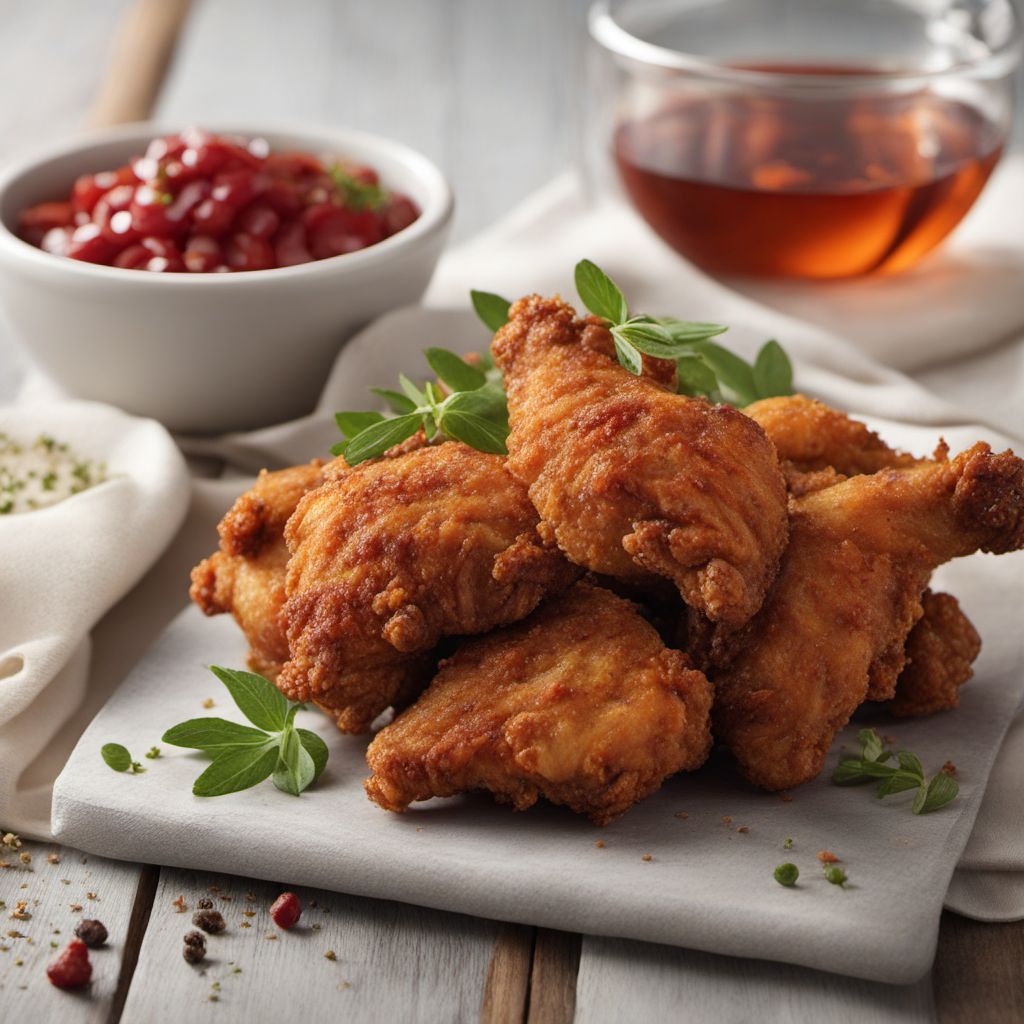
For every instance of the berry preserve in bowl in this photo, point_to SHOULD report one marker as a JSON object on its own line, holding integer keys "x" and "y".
{"x": 209, "y": 279}
{"x": 197, "y": 202}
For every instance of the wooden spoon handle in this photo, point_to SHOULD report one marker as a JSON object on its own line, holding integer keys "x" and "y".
{"x": 142, "y": 51}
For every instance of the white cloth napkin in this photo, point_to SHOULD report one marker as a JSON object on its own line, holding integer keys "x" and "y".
{"x": 61, "y": 568}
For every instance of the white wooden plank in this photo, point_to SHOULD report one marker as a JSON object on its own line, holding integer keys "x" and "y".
{"x": 52, "y": 891}
{"x": 622, "y": 980}
{"x": 393, "y": 962}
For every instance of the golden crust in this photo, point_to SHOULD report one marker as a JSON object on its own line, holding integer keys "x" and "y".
{"x": 245, "y": 578}
{"x": 833, "y": 630}
{"x": 395, "y": 554}
{"x": 631, "y": 480}
{"x": 581, "y": 704}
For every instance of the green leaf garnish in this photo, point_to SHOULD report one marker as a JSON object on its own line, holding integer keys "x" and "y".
{"x": 773, "y": 372}
{"x": 835, "y": 874}
{"x": 941, "y": 790}
{"x": 704, "y": 369}
{"x": 600, "y": 294}
{"x": 257, "y": 698}
{"x": 237, "y": 768}
{"x": 243, "y": 756}
{"x": 213, "y": 734}
{"x": 295, "y": 768}
{"x": 787, "y": 874}
{"x": 317, "y": 750}
{"x": 116, "y": 756}
{"x": 352, "y": 423}
{"x": 377, "y": 439}
{"x": 492, "y": 309}
{"x": 454, "y": 371}
{"x": 906, "y": 774}
{"x": 397, "y": 402}
{"x": 356, "y": 194}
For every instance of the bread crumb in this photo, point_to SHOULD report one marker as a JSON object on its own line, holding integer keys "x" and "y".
{"x": 727, "y": 818}
{"x": 52, "y": 858}
{"x": 681, "y": 815}
{"x": 647, "y": 857}
{"x": 743, "y": 829}
{"x": 786, "y": 798}
{"x": 330, "y": 955}
{"x": 599, "y": 844}
{"x": 208, "y": 703}
{"x": 948, "y": 768}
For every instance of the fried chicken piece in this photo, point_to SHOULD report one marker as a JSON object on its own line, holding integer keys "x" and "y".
{"x": 940, "y": 653}
{"x": 820, "y": 447}
{"x": 245, "y": 578}
{"x": 833, "y": 630}
{"x": 632, "y": 480}
{"x": 393, "y": 555}
{"x": 581, "y": 703}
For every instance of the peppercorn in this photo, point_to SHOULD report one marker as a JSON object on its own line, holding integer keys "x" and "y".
{"x": 194, "y": 948}
{"x": 205, "y": 904}
{"x": 211, "y": 921}
{"x": 92, "y": 933}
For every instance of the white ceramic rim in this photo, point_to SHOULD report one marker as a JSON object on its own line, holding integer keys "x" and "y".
{"x": 434, "y": 212}
{"x": 609, "y": 33}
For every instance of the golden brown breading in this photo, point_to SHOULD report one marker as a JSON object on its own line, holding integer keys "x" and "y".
{"x": 246, "y": 576}
{"x": 820, "y": 447}
{"x": 833, "y": 629}
{"x": 395, "y": 554}
{"x": 812, "y": 437}
{"x": 940, "y": 653}
{"x": 581, "y": 704}
{"x": 632, "y": 480}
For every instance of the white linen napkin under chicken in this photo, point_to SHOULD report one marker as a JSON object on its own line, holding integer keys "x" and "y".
{"x": 956, "y": 323}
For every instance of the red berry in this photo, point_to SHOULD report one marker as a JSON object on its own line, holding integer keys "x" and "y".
{"x": 290, "y": 245}
{"x": 258, "y": 220}
{"x": 286, "y": 910}
{"x": 71, "y": 969}
{"x": 244, "y": 252}
{"x": 399, "y": 213}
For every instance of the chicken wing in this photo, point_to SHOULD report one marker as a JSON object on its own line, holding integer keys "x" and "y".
{"x": 833, "y": 630}
{"x": 632, "y": 480}
{"x": 245, "y": 578}
{"x": 393, "y": 555}
{"x": 820, "y": 446}
{"x": 940, "y": 655}
{"x": 581, "y": 703}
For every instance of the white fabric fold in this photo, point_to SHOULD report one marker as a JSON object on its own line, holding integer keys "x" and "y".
{"x": 61, "y": 568}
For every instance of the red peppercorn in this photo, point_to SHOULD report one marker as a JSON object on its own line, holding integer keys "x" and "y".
{"x": 286, "y": 910}
{"x": 71, "y": 969}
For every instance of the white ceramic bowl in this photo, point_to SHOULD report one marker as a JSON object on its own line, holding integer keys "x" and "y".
{"x": 205, "y": 353}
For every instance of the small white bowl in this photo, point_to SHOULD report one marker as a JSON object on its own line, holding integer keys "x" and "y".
{"x": 205, "y": 353}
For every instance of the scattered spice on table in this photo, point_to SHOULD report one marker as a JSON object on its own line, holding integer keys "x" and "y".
{"x": 948, "y": 768}
{"x": 208, "y": 703}
{"x": 599, "y": 844}
{"x": 52, "y": 858}
{"x": 93, "y": 933}
{"x": 330, "y": 955}
{"x": 647, "y": 857}
{"x": 194, "y": 947}
{"x": 211, "y": 921}
{"x": 827, "y": 857}
{"x": 180, "y": 905}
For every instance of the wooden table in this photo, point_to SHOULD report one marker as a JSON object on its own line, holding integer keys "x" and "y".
{"x": 488, "y": 90}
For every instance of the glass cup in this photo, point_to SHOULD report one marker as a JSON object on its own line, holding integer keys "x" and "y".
{"x": 804, "y": 138}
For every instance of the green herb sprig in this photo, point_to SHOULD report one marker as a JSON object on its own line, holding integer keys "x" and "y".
{"x": 474, "y": 411}
{"x": 357, "y": 194}
{"x": 704, "y": 368}
{"x": 244, "y": 756}
{"x": 906, "y": 774}
{"x": 117, "y": 757}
